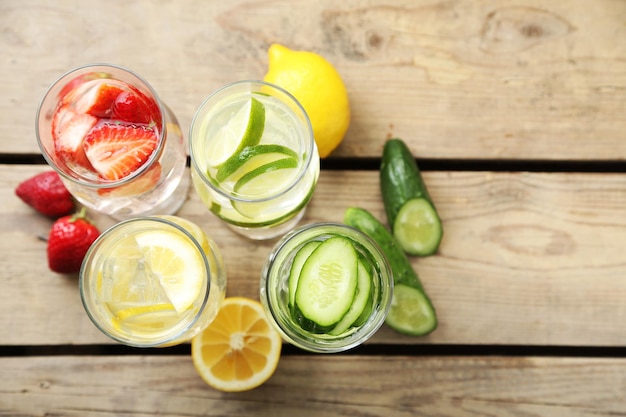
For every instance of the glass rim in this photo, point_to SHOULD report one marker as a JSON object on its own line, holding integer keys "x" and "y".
{"x": 168, "y": 337}
{"x": 296, "y": 336}
{"x": 79, "y": 179}
{"x": 303, "y": 168}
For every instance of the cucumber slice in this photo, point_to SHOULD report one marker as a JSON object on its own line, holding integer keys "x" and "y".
{"x": 327, "y": 283}
{"x": 417, "y": 227}
{"x": 296, "y": 267}
{"x": 410, "y": 311}
{"x": 359, "y": 304}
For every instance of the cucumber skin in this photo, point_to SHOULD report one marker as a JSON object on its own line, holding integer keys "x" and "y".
{"x": 402, "y": 269}
{"x": 400, "y": 179}
{"x": 403, "y": 272}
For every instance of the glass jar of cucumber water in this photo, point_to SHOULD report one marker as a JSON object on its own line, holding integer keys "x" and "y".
{"x": 326, "y": 287}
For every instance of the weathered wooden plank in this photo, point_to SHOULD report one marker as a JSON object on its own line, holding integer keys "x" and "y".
{"x": 456, "y": 79}
{"x": 527, "y": 258}
{"x": 317, "y": 385}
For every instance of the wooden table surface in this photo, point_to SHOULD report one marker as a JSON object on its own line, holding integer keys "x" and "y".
{"x": 514, "y": 110}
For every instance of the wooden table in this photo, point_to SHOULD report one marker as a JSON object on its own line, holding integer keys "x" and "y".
{"x": 514, "y": 110}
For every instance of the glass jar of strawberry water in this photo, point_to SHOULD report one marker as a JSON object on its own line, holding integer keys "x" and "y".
{"x": 117, "y": 147}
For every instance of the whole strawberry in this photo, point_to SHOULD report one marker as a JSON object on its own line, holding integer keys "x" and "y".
{"x": 46, "y": 193}
{"x": 68, "y": 242}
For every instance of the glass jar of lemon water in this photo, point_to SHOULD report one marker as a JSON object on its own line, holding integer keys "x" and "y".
{"x": 152, "y": 281}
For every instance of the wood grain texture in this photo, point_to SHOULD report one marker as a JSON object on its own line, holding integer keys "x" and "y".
{"x": 484, "y": 79}
{"x": 527, "y": 258}
{"x": 317, "y": 385}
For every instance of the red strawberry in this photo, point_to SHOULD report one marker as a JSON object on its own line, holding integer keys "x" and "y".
{"x": 97, "y": 98}
{"x": 46, "y": 193}
{"x": 68, "y": 130}
{"x": 116, "y": 150}
{"x": 133, "y": 108}
{"x": 68, "y": 242}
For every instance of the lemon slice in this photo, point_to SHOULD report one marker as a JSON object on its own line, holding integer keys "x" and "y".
{"x": 245, "y": 128}
{"x": 155, "y": 314}
{"x": 191, "y": 228}
{"x": 176, "y": 263}
{"x": 239, "y": 350}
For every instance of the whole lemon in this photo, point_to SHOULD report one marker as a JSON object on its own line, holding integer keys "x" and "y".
{"x": 317, "y": 85}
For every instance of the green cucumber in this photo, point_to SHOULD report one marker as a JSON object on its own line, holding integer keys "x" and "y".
{"x": 296, "y": 267}
{"x": 359, "y": 304}
{"x": 411, "y": 213}
{"x": 411, "y": 312}
{"x": 327, "y": 284}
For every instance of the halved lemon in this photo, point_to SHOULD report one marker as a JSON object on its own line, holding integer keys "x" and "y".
{"x": 239, "y": 350}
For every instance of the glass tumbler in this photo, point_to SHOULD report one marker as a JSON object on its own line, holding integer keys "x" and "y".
{"x": 117, "y": 147}
{"x": 288, "y": 285}
{"x": 152, "y": 281}
{"x": 254, "y": 162}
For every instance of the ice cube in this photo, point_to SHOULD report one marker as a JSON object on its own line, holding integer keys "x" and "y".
{"x": 131, "y": 282}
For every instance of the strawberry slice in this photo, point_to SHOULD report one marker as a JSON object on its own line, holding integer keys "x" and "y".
{"x": 97, "y": 98}
{"x": 136, "y": 107}
{"x": 116, "y": 150}
{"x": 76, "y": 82}
{"x": 68, "y": 130}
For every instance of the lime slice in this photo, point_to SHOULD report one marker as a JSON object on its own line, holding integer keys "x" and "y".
{"x": 267, "y": 179}
{"x": 417, "y": 227}
{"x": 250, "y": 158}
{"x": 176, "y": 263}
{"x": 262, "y": 182}
{"x": 245, "y": 128}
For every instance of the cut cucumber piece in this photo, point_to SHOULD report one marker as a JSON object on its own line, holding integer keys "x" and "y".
{"x": 327, "y": 283}
{"x": 419, "y": 319}
{"x": 296, "y": 267}
{"x": 410, "y": 312}
{"x": 250, "y": 158}
{"x": 245, "y": 128}
{"x": 359, "y": 304}
{"x": 417, "y": 227}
